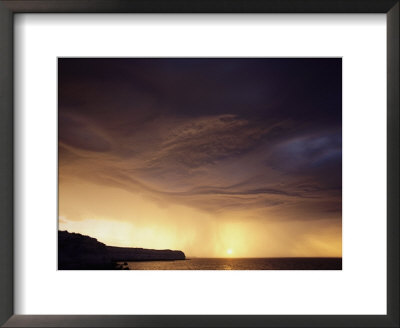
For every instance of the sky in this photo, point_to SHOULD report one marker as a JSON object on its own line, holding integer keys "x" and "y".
{"x": 216, "y": 157}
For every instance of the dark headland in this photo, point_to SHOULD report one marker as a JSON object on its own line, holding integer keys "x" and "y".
{"x": 80, "y": 252}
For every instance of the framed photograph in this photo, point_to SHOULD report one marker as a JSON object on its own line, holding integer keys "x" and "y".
{"x": 199, "y": 163}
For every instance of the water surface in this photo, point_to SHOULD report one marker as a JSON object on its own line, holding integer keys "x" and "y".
{"x": 241, "y": 264}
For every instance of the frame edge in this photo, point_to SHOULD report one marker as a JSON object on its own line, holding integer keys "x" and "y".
{"x": 393, "y": 38}
{"x": 6, "y": 206}
{"x": 6, "y": 165}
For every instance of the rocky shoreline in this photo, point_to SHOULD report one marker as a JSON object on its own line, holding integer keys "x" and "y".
{"x": 80, "y": 252}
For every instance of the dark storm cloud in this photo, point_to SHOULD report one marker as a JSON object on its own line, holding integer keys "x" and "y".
{"x": 80, "y": 134}
{"x": 208, "y": 133}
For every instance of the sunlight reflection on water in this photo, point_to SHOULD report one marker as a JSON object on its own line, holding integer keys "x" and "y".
{"x": 241, "y": 264}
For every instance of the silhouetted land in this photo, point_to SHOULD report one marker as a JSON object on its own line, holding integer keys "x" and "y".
{"x": 80, "y": 252}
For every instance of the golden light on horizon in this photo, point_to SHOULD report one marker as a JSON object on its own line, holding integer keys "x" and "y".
{"x": 118, "y": 217}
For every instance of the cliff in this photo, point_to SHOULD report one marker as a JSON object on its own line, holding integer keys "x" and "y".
{"x": 141, "y": 254}
{"x": 79, "y": 252}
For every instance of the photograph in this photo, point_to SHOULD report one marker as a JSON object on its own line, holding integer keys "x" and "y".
{"x": 197, "y": 163}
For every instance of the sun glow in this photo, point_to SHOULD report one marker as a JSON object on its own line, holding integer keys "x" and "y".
{"x": 229, "y": 251}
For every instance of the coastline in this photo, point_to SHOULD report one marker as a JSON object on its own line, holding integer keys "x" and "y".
{"x": 81, "y": 252}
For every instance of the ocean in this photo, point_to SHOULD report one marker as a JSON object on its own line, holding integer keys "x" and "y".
{"x": 239, "y": 264}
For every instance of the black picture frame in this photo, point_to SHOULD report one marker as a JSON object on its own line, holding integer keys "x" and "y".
{"x": 10, "y": 7}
